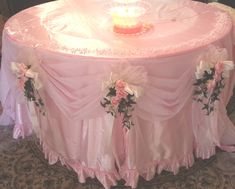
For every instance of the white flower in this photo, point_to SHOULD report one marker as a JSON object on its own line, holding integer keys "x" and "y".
{"x": 228, "y": 66}
{"x": 201, "y": 68}
{"x": 211, "y": 58}
{"x": 20, "y": 69}
{"x": 129, "y": 90}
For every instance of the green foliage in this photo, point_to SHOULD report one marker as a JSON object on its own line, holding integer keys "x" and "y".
{"x": 124, "y": 107}
{"x": 32, "y": 95}
{"x": 205, "y": 97}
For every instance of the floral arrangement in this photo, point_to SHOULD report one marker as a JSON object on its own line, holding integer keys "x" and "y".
{"x": 29, "y": 83}
{"x": 210, "y": 78}
{"x": 120, "y": 99}
{"x": 121, "y": 91}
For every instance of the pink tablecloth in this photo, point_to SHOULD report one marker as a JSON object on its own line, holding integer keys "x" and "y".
{"x": 73, "y": 60}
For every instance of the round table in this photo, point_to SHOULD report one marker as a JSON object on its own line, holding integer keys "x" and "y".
{"x": 73, "y": 59}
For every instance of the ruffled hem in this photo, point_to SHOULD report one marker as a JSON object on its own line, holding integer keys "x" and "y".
{"x": 107, "y": 179}
{"x": 131, "y": 176}
{"x": 205, "y": 154}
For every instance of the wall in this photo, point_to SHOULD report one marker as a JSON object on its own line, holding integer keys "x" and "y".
{"x": 11, "y": 7}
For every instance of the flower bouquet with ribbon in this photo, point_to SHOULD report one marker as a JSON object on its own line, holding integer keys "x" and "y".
{"x": 28, "y": 82}
{"x": 122, "y": 89}
{"x": 210, "y": 77}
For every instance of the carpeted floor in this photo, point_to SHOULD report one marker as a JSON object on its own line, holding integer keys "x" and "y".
{"x": 22, "y": 166}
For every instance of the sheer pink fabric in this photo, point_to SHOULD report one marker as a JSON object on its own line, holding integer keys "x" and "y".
{"x": 170, "y": 128}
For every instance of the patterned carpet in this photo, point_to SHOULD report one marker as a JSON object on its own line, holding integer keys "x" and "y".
{"x": 22, "y": 166}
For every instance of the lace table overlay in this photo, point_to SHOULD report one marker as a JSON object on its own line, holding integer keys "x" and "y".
{"x": 52, "y": 28}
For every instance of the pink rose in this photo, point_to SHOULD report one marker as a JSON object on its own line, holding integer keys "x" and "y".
{"x": 219, "y": 67}
{"x": 21, "y": 83}
{"x": 211, "y": 85}
{"x": 217, "y": 76}
{"x": 115, "y": 101}
{"x": 120, "y": 85}
{"x": 23, "y": 68}
{"x": 121, "y": 94}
